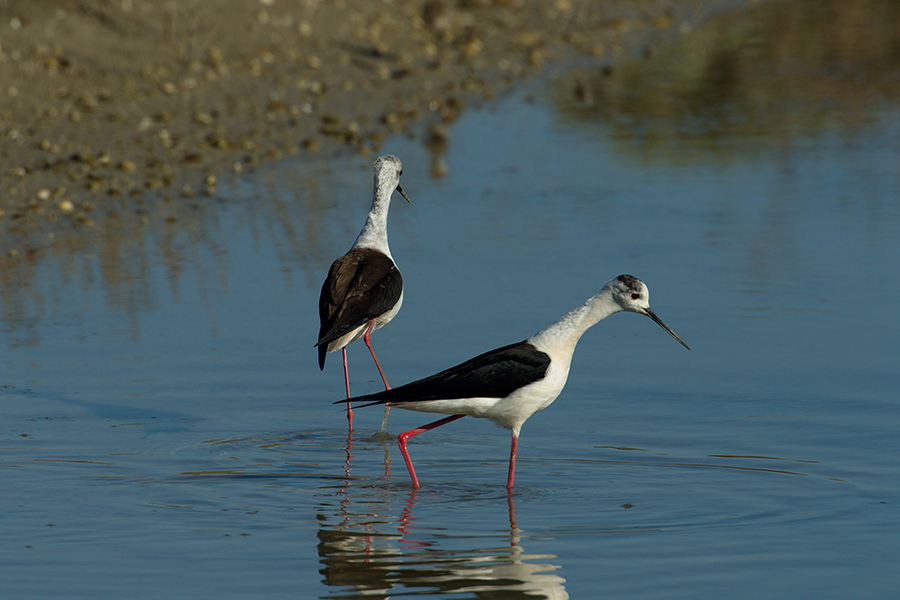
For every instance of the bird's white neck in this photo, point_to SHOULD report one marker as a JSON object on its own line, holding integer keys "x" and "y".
{"x": 559, "y": 339}
{"x": 374, "y": 232}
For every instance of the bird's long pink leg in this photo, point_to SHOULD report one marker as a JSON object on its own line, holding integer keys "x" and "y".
{"x": 367, "y": 338}
{"x": 401, "y": 441}
{"x": 347, "y": 384}
{"x": 512, "y": 464}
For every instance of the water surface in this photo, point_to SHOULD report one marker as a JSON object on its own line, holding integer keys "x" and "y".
{"x": 168, "y": 432}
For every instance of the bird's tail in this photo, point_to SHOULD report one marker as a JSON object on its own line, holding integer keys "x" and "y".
{"x": 323, "y": 350}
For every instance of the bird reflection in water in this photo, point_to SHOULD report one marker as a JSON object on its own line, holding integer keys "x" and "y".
{"x": 383, "y": 439}
{"x": 367, "y": 551}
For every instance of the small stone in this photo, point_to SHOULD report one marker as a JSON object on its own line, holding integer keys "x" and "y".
{"x": 204, "y": 117}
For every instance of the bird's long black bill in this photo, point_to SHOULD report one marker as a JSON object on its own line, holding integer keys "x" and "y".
{"x": 659, "y": 322}
{"x": 402, "y": 193}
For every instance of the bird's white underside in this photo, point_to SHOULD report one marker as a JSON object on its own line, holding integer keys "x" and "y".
{"x": 509, "y": 412}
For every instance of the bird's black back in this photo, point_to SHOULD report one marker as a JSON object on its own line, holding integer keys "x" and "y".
{"x": 494, "y": 374}
{"x": 361, "y": 285}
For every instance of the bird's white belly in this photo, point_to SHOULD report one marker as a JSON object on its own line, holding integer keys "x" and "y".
{"x": 509, "y": 412}
{"x": 347, "y": 338}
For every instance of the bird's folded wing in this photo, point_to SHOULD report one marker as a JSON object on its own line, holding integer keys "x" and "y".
{"x": 494, "y": 374}
{"x": 360, "y": 287}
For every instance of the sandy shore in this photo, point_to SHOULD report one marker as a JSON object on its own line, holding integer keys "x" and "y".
{"x": 108, "y": 107}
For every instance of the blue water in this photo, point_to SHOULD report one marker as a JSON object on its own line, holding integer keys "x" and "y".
{"x": 167, "y": 432}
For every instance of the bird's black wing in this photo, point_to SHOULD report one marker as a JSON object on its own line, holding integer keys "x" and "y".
{"x": 494, "y": 374}
{"x": 361, "y": 285}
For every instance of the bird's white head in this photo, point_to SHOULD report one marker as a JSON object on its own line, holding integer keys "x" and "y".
{"x": 631, "y": 294}
{"x": 388, "y": 170}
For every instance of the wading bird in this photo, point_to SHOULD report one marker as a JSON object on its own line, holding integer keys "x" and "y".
{"x": 509, "y": 384}
{"x": 363, "y": 290}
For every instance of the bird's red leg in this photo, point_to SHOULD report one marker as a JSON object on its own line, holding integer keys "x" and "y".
{"x": 401, "y": 441}
{"x": 512, "y": 464}
{"x": 367, "y": 338}
{"x": 347, "y": 384}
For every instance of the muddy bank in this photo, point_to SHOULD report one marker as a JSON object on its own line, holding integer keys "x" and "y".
{"x": 108, "y": 107}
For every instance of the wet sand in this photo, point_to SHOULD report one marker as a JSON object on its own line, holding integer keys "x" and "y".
{"x": 108, "y": 108}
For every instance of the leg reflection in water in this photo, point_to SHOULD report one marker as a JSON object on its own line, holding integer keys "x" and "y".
{"x": 383, "y": 542}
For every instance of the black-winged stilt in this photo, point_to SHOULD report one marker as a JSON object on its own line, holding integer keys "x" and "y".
{"x": 363, "y": 290}
{"x": 509, "y": 384}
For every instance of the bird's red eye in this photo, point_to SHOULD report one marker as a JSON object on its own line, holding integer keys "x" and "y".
{"x": 635, "y": 296}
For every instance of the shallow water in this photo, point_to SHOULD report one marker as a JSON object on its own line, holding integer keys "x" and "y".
{"x": 168, "y": 432}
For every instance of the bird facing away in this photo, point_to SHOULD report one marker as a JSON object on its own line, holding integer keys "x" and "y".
{"x": 509, "y": 384}
{"x": 363, "y": 290}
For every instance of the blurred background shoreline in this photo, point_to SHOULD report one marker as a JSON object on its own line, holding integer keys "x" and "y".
{"x": 108, "y": 108}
